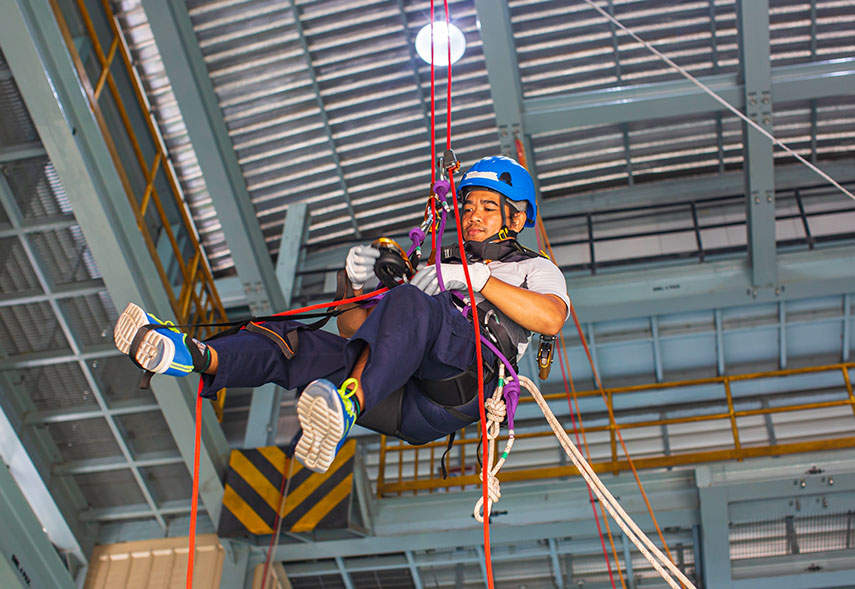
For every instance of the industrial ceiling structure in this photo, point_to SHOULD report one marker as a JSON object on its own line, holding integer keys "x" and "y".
{"x": 290, "y": 130}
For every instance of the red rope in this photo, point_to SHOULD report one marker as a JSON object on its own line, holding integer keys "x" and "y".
{"x": 478, "y": 353}
{"x": 273, "y": 536}
{"x": 355, "y": 299}
{"x": 194, "y": 506}
{"x": 479, "y": 362}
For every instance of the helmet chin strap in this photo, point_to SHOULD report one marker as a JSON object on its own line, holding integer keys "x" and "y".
{"x": 494, "y": 247}
{"x": 505, "y": 232}
{"x": 501, "y": 246}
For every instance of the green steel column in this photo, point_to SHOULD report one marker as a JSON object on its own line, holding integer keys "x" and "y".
{"x": 715, "y": 537}
{"x": 266, "y": 399}
{"x": 33, "y": 559}
{"x": 182, "y": 59}
{"x": 754, "y": 57}
{"x": 35, "y": 50}
{"x": 505, "y": 88}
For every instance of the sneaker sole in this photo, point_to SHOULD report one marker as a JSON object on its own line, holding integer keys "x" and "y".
{"x": 130, "y": 321}
{"x": 322, "y": 424}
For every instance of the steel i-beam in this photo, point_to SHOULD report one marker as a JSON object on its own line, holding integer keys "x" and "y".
{"x": 754, "y": 54}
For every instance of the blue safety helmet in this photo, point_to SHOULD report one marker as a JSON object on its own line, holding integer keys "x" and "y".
{"x": 505, "y": 176}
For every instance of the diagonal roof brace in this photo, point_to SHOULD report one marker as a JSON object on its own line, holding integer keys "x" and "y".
{"x": 50, "y": 87}
{"x": 182, "y": 58}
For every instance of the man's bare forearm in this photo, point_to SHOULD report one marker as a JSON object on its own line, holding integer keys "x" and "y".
{"x": 540, "y": 313}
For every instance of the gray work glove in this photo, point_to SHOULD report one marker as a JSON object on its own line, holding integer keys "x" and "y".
{"x": 360, "y": 265}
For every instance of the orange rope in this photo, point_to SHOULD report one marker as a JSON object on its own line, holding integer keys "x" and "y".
{"x": 568, "y": 377}
{"x": 564, "y": 359}
{"x": 542, "y": 231}
{"x": 194, "y": 504}
{"x": 608, "y": 406}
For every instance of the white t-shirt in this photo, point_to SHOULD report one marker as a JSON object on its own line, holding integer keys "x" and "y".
{"x": 534, "y": 274}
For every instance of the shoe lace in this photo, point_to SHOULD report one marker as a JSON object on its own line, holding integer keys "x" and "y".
{"x": 171, "y": 326}
{"x": 166, "y": 323}
{"x": 348, "y": 390}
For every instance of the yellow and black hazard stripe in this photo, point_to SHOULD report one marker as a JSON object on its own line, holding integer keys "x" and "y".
{"x": 314, "y": 500}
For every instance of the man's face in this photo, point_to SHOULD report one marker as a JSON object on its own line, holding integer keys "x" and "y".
{"x": 482, "y": 216}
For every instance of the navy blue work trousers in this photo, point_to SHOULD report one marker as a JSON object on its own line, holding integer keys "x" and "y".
{"x": 409, "y": 334}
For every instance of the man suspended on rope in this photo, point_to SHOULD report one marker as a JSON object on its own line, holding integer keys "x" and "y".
{"x": 405, "y": 367}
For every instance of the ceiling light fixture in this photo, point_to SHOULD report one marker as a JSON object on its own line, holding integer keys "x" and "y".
{"x": 441, "y": 36}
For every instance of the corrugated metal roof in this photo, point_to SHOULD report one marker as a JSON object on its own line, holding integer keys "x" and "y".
{"x": 326, "y": 102}
{"x": 305, "y": 124}
{"x": 53, "y": 310}
{"x": 569, "y": 48}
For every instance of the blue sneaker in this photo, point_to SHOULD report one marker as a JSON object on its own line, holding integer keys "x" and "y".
{"x": 162, "y": 350}
{"x": 326, "y": 415}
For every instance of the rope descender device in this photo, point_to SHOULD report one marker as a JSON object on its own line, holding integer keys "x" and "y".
{"x": 393, "y": 267}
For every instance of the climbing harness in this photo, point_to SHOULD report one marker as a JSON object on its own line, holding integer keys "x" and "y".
{"x": 496, "y": 248}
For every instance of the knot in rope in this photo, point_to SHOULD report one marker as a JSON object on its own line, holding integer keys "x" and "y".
{"x": 494, "y": 493}
{"x": 496, "y": 411}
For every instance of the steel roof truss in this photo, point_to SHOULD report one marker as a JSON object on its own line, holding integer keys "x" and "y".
{"x": 14, "y": 214}
{"x": 182, "y": 59}
{"x": 646, "y": 102}
{"x": 51, "y": 91}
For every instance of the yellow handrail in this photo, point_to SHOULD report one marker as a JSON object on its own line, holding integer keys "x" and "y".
{"x": 197, "y": 300}
{"x": 739, "y": 451}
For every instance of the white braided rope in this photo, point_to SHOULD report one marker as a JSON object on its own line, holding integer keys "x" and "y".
{"x": 496, "y": 411}
{"x": 639, "y": 538}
